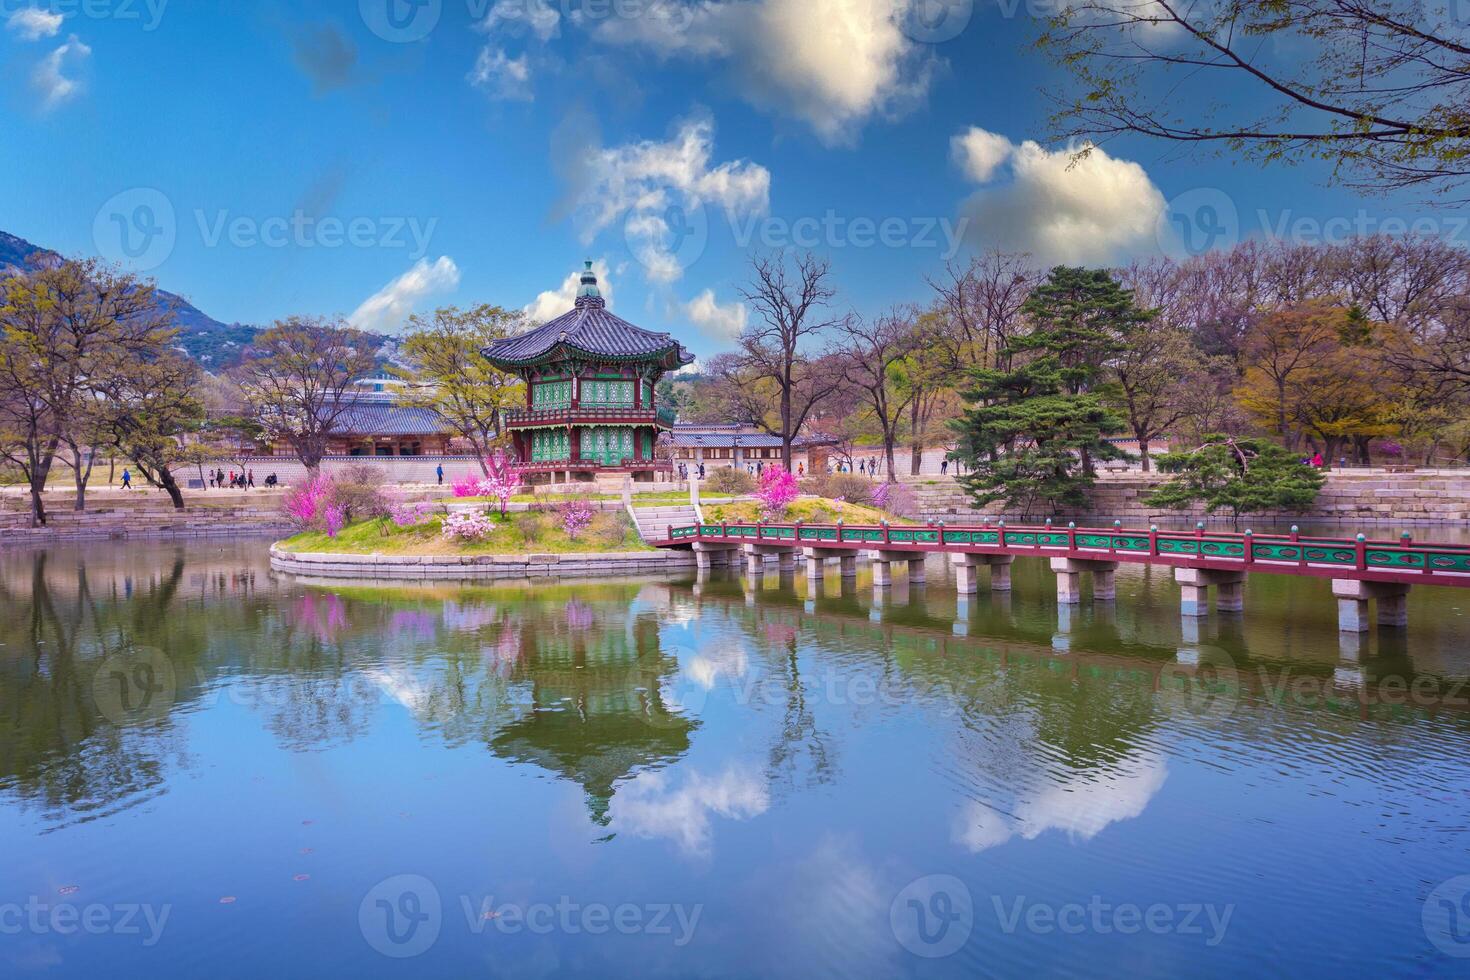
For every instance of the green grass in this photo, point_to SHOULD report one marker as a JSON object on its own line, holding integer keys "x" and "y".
{"x": 520, "y": 535}
{"x": 807, "y": 510}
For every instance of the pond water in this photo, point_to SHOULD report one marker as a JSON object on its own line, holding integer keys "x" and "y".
{"x": 207, "y": 768}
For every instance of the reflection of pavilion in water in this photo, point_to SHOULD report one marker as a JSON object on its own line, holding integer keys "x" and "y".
{"x": 597, "y": 713}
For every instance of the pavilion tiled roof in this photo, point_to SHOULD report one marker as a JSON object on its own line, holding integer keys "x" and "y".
{"x": 588, "y": 329}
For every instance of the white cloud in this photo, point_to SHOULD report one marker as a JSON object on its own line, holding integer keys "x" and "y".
{"x": 1079, "y": 807}
{"x": 648, "y": 807}
{"x": 979, "y": 153}
{"x": 725, "y": 322}
{"x": 387, "y": 309}
{"x": 833, "y": 64}
{"x": 537, "y": 17}
{"x": 50, "y": 79}
{"x": 647, "y": 180}
{"x": 1095, "y": 210}
{"x": 501, "y": 76}
{"x": 32, "y": 23}
{"x": 554, "y": 302}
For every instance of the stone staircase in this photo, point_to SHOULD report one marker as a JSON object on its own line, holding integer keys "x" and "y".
{"x": 653, "y": 521}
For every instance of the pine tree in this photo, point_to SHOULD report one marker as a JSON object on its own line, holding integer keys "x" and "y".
{"x": 1031, "y": 434}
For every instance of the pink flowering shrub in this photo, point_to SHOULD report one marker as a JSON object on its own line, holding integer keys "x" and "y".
{"x": 576, "y": 515}
{"x": 411, "y": 515}
{"x": 776, "y": 492}
{"x": 304, "y": 504}
{"x": 502, "y": 481}
{"x": 466, "y": 528}
{"x": 334, "y": 518}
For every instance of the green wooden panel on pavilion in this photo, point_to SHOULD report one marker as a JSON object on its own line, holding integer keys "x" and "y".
{"x": 607, "y": 445}
{"x": 712, "y": 530}
{"x": 598, "y": 393}
{"x": 779, "y": 533}
{"x": 550, "y": 446}
{"x": 551, "y": 394}
{"x": 819, "y": 534}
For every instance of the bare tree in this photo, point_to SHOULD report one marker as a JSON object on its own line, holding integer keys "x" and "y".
{"x": 871, "y": 355}
{"x": 789, "y": 297}
{"x": 1377, "y": 86}
{"x": 69, "y": 328}
{"x": 981, "y": 303}
{"x": 299, "y": 378}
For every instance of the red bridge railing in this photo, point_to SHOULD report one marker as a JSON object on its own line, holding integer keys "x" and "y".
{"x": 1293, "y": 553}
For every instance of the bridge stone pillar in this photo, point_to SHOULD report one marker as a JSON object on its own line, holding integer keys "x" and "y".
{"x": 1352, "y": 604}
{"x": 914, "y": 560}
{"x": 967, "y": 569}
{"x": 848, "y": 563}
{"x": 1069, "y": 579}
{"x": 1194, "y": 590}
{"x": 708, "y": 554}
{"x": 882, "y": 573}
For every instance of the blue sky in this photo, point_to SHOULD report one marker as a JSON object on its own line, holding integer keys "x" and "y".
{"x": 464, "y": 151}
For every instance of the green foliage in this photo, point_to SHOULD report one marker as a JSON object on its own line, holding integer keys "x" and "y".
{"x": 1031, "y": 433}
{"x": 1243, "y": 476}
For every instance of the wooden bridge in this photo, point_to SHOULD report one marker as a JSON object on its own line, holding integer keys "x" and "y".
{"x": 1360, "y": 569}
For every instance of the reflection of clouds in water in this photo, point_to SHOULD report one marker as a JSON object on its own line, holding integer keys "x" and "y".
{"x": 829, "y": 915}
{"x": 706, "y": 667}
{"x": 401, "y": 686}
{"x": 648, "y": 806}
{"x": 1081, "y": 806}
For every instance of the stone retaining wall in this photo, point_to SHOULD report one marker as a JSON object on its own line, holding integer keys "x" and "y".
{"x": 1349, "y": 497}
{"x": 481, "y": 567}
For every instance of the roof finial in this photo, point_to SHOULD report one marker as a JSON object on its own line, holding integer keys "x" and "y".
{"x": 588, "y": 294}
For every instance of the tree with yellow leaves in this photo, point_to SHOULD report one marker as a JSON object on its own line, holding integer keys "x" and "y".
{"x": 1312, "y": 371}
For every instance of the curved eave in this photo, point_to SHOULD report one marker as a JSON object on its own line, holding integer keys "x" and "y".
{"x": 671, "y": 357}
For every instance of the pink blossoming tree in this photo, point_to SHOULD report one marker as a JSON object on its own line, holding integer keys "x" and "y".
{"x": 776, "y": 492}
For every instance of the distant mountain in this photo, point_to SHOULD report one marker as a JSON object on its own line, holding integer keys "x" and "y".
{"x": 213, "y": 344}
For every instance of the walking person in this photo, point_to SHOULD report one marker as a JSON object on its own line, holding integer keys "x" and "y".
{"x": 943, "y": 467}
{"x": 127, "y": 479}
{"x": 439, "y": 472}
{"x": 250, "y": 479}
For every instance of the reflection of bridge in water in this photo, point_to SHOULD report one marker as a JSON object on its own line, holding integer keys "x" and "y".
{"x": 1208, "y": 669}
{"x": 1360, "y": 570}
